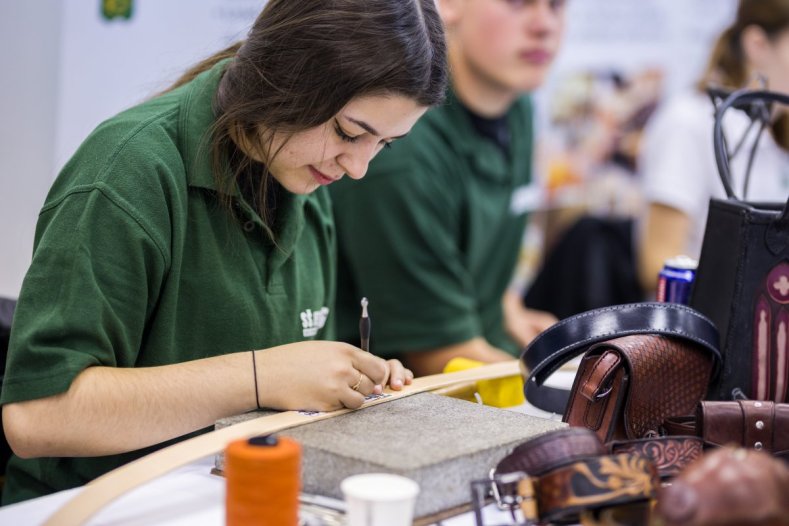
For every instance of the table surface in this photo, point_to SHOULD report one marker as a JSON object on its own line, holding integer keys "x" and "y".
{"x": 192, "y": 496}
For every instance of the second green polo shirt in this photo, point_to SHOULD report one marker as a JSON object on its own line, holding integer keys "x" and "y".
{"x": 431, "y": 235}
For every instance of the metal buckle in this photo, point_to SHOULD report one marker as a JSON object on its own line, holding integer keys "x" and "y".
{"x": 505, "y": 489}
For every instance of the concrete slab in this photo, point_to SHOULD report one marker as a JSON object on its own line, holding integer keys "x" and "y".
{"x": 440, "y": 442}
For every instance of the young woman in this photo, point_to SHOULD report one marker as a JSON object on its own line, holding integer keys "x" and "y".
{"x": 678, "y": 162}
{"x": 184, "y": 259}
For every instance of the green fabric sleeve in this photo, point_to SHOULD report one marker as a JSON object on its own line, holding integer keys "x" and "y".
{"x": 85, "y": 297}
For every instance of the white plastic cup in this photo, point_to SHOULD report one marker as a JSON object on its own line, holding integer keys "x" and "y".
{"x": 379, "y": 499}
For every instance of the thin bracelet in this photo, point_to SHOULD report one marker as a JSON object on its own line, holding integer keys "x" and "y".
{"x": 255, "y": 373}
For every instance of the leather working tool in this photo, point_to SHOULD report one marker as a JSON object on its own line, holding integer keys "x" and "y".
{"x": 572, "y": 337}
{"x": 364, "y": 327}
{"x": 560, "y": 475}
{"x": 98, "y": 493}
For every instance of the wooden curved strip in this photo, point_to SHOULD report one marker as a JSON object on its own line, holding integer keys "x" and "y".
{"x": 100, "y": 492}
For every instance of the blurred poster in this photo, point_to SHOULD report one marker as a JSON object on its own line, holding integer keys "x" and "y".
{"x": 619, "y": 60}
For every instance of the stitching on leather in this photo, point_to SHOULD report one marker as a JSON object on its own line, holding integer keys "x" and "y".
{"x": 631, "y": 307}
{"x": 601, "y": 337}
{"x": 605, "y": 374}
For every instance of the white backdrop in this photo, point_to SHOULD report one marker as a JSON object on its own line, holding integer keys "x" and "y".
{"x": 66, "y": 69}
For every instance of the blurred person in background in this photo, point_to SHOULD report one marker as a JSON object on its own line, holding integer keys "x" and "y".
{"x": 432, "y": 234}
{"x": 677, "y": 164}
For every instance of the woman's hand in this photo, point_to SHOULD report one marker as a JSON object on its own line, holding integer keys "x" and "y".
{"x": 398, "y": 375}
{"x": 323, "y": 376}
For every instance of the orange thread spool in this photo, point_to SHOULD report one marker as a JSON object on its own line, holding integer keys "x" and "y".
{"x": 263, "y": 482}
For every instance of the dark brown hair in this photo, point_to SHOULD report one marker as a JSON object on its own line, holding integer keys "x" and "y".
{"x": 304, "y": 60}
{"x": 727, "y": 66}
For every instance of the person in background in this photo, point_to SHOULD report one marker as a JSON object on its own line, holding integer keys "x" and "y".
{"x": 184, "y": 261}
{"x": 432, "y": 235}
{"x": 677, "y": 163}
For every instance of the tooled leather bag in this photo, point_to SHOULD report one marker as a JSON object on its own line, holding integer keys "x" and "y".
{"x": 626, "y": 387}
{"x": 656, "y": 359}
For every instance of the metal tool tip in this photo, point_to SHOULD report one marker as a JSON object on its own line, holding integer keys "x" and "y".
{"x": 364, "y": 307}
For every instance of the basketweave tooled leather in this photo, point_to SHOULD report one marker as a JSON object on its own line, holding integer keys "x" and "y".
{"x": 665, "y": 377}
{"x": 551, "y": 450}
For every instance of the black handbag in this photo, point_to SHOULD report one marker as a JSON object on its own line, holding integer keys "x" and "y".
{"x": 742, "y": 282}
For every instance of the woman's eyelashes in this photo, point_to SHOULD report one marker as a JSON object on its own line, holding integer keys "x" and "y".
{"x": 344, "y": 136}
{"x": 351, "y": 139}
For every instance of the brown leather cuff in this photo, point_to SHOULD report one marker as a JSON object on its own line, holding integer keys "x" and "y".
{"x": 757, "y": 424}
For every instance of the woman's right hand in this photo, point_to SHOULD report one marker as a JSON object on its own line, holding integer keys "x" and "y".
{"x": 318, "y": 375}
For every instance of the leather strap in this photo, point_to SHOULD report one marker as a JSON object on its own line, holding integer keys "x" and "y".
{"x": 550, "y": 451}
{"x": 105, "y": 489}
{"x": 669, "y": 454}
{"x": 572, "y": 336}
{"x": 757, "y": 424}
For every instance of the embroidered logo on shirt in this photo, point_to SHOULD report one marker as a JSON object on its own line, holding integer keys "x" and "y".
{"x": 526, "y": 198}
{"x": 313, "y": 321}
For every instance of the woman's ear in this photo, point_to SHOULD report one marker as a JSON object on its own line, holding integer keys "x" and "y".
{"x": 756, "y": 48}
{"x": 250, "y": 146}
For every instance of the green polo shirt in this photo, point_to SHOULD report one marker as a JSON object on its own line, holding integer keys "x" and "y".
{"x": 137, "y": 264}
{"x": 431, "y": 235}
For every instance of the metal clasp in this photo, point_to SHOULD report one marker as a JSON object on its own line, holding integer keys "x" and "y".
{"x": 505, "y": 489}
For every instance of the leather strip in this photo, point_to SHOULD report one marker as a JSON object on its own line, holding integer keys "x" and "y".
{"x": 550, "y": 451}
{"x": 572, "y": 336}
{"x": 105, "y": 489}
{"x": 592, "y": 483}
{"x": 758, "y": 424}
{"x": 669, "y": 454}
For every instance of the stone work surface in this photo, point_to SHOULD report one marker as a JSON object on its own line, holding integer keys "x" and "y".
{"x": 440, "y": 442}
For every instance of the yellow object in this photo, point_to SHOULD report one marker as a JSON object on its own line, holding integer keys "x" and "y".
{"x": 502, "y": 392}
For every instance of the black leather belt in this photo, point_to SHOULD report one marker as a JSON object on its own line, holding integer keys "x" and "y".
{"x": 571, "y": 337}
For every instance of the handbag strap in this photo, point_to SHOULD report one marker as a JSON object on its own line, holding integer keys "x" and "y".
{"x": 571, "y": 337}
{"x": 759, "y": 101}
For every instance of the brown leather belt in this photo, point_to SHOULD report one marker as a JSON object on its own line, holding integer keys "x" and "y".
{"x": 558, "y": 476}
